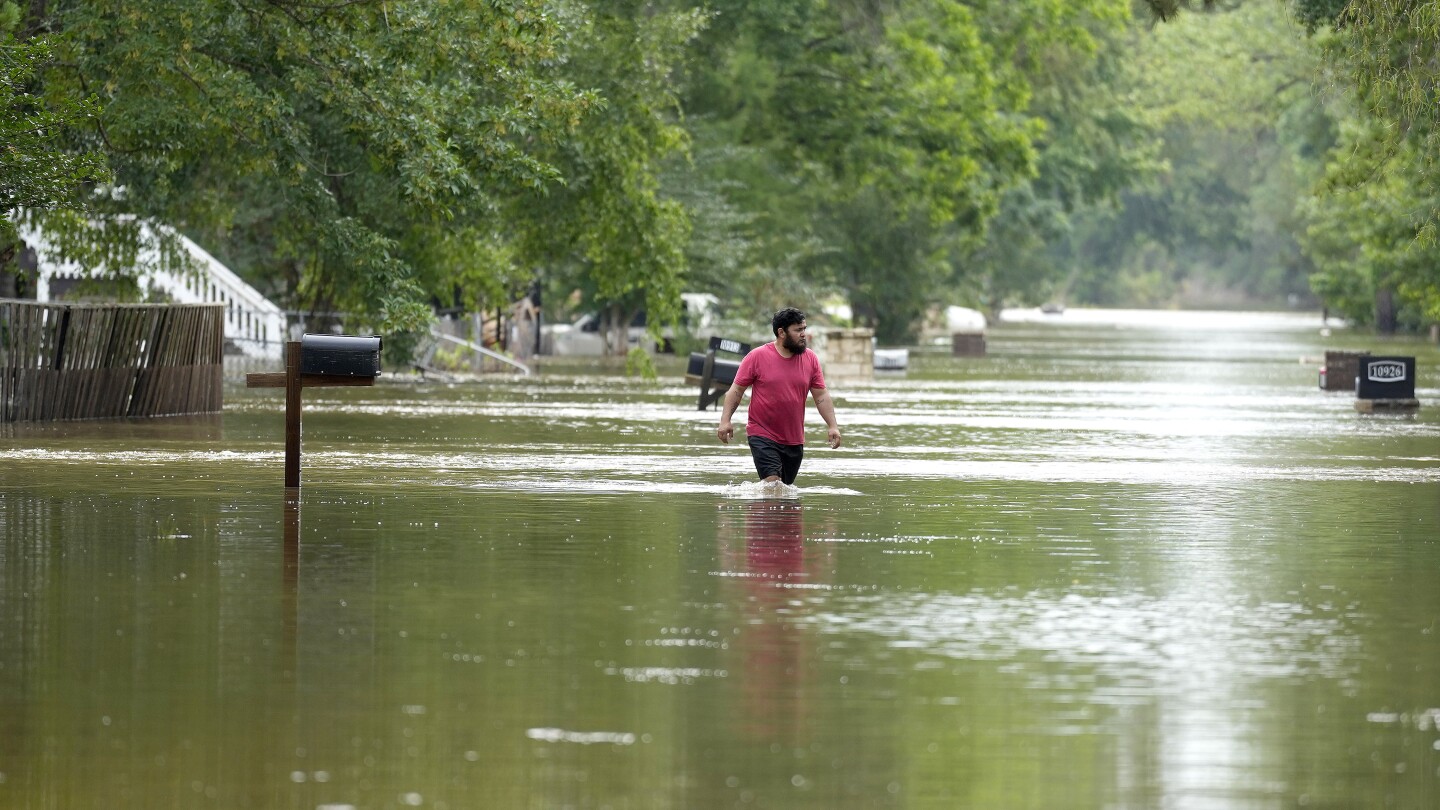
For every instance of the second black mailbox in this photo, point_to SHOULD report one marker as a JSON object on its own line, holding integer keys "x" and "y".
{"x": 340, "y": 355}
{"x": 723, "y": 371}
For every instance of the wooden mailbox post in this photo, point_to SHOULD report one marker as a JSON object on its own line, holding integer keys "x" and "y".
{"x": 317, "y": 361}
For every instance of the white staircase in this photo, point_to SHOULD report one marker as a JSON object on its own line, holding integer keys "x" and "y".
{"x": 253, "y": 324}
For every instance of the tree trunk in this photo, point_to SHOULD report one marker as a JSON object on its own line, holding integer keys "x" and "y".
{"x": 8, "y": 286}
{"x": 1385, "y": 320}
{"x": 610, "y": 330}
{"x": 8, "y": 272}
{"x": 34, "y": 20}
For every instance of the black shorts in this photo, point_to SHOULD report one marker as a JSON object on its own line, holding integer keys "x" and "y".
{"x": 773, "y": 458}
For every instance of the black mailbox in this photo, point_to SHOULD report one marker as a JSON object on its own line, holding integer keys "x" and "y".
{"x": 722, "y": 372}
{"x": 340, "y": 355}
{"x": 1385, "y": 378}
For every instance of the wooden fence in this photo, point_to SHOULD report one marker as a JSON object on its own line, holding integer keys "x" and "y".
{"x": 102, "y": 361}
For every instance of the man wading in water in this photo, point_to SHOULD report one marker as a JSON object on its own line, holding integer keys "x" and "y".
{"x": 782, "y": 373}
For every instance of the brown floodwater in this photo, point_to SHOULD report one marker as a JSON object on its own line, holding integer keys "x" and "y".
{"x": 1128, "y": 560}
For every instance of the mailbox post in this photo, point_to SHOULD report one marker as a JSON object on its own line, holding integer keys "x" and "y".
{"x": 317, "y": 361}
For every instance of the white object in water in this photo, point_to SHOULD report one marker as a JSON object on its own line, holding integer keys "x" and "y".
{"x": 887, "y": 359}
{"x": 964, "y": 319}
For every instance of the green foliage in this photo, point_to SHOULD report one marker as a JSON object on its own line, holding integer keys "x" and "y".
{"x": 37, "y": 171}
{"x": 1368, "y": 231}
{"x": 639, "y": 363}
{"x": 387, "y": 158}
{"x": 1095, "y": 144}
{"x": 856, "y": 146}
{"x": 609, "y": 230}
{"x": 1391, "y": 53}
{"x": 1373, "y": 220}
{"x": 1243, "y": 137}
{"x": 1166, "y": 10}
{"x": 1317, "y": 14}
{"x": 343, "y": 148}
{"x": 932, "y": 154}
{"x": 1370, "y": 226}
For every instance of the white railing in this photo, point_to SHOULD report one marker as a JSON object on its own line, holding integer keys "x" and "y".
{"x": 252, "y": 323}
{"x": 478, "y": 349}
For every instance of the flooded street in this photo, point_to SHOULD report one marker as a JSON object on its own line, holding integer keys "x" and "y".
{"x": 1128, "y": 560}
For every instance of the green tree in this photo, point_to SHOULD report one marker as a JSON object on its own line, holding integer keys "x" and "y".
{"x": 863, "y": 139}
{"x": 1243, "y": 137}
{"x": 1095, "y": 143}
{"x": 1315, "y": 14}
{"x": 37, "y": 169}
{"x": 1371, "y": 224}
{"x": 1370, "y": 228}
{"x": 609, "y": 229}
{"x": 1374, "y": 218}
{"x": 1168, "y": 9}
{"x": 359, "y": 154}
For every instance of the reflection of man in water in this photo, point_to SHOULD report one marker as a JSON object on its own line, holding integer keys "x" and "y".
{"x": 782, "y": 373}
{"x": 777, "y": 677}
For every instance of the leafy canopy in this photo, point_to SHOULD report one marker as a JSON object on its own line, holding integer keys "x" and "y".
{"x": 346, "y": 144}
{"x": 37, "y": 169}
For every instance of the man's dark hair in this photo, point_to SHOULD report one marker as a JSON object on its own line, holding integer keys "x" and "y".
{"x": 786, "y": 318}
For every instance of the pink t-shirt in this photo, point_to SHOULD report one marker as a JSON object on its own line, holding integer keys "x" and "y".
{"x": 778, "y": 388}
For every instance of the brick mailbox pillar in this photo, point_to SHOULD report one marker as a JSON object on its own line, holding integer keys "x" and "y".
{"x": 1340, "y": 370}
{"x": 967, "y": 344}
{"x": 849, "y": 353}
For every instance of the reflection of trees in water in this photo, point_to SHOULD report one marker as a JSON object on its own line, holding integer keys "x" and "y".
{"x": 149, "y": 617}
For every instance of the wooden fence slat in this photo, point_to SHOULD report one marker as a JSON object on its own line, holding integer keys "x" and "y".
{"x": 129, "y": 349}
{"x": 144, "y": 378}
{"x": 7, "y": 351}
{"x": 83, "y": 361}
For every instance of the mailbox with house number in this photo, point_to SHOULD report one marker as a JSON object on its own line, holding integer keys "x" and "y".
{"x": 1385, "y": 384}
{"x": 1385, "y": 377}
{"x": 340, "y": 355}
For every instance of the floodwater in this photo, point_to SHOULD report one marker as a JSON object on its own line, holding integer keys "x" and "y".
{"x": 1128, "y": 560}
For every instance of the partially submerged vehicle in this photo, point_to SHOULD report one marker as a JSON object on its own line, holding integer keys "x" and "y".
{"x": 585, "y": 336}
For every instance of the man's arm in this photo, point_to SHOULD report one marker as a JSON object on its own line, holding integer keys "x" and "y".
{"x": 726, "y": 431}
{"x": 827, "y": 412}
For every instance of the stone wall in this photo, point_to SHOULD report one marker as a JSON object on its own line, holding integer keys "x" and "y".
{"x": 848, "y": 354}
